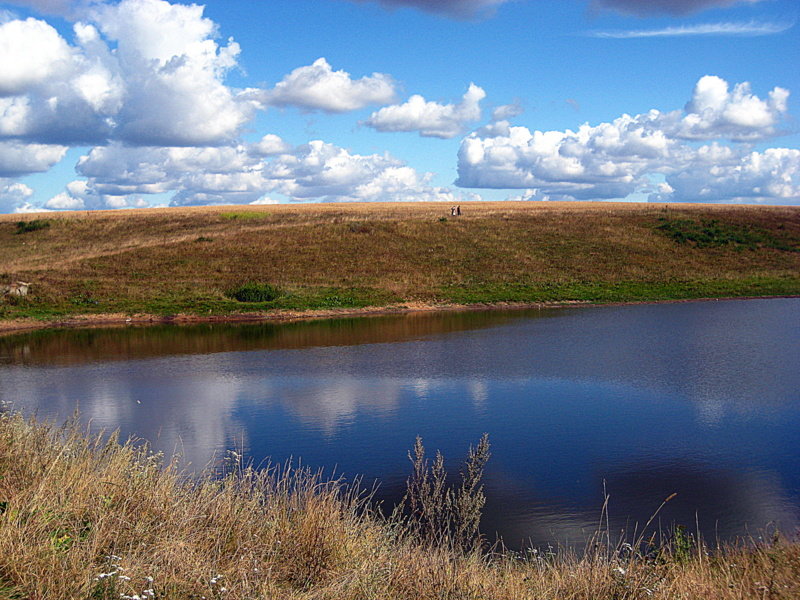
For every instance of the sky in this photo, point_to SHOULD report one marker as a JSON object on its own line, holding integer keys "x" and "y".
{"x": 136, "y": 103}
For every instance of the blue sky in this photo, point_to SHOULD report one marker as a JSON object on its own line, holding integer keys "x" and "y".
{"x": 147, "y": 102}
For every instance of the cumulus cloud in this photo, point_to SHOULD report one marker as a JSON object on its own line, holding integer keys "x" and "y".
{"x": 646, "y": 8}
{"x": 459, "y": 9}
{"x": 592, "y": 163}
{"x": 31, "y": 52}
{"x": 319, "y": 87}
{"x": 118, "y": 175}
{"x": 80, "y": 195}
{"x": 430, "y": 119}
{"x": 326, "y": 172}
{"x": 270, "y": 145}
{"x": 612, "y": 160}
{"x": 135, "y": 74}
{"x": 717, "y": 175}
{"x": 715, "y": 111}
{"x": 265, "y": 200}
{"x": 13, "y": 195}
{"x": 17, "y": 158}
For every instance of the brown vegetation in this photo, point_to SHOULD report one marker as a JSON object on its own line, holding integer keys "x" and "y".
{"x": 88, "y": 518}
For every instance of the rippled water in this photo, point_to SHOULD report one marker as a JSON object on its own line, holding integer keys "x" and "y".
{"x": 699, "y": 399}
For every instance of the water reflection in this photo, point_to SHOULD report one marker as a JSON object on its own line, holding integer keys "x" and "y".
{"x": 79, "y": 346}
{"x": 699, "y": 399}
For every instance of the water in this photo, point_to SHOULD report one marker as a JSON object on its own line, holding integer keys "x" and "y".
{"x": 699, "y": 399}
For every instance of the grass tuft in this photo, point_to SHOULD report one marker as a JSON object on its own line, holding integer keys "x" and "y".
{"x": 713, "y": 233}
{"x": 35, "y": 225}
{"x": 440, "y": 514}
{"x": 254, "y": 292}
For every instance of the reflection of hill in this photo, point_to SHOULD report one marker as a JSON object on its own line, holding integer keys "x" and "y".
{"x": 76, "y": 346}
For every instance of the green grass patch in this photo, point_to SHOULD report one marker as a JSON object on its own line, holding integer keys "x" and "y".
{"x": 713, "y": 233}
{"x": 323, "y": 298}
{"x": 336, "y": 297}
{"x": 621, "y": 291}
{"x": 35, "y": 225}
{"x": 254, "y": 292}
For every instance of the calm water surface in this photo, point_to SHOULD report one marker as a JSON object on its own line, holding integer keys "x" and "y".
{"x": 701, "y": 399}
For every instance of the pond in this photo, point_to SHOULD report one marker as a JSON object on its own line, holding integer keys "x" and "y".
{"x": 639, "y": 402}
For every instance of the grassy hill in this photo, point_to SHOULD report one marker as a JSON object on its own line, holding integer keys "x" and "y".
{"x": 335, "y": 256}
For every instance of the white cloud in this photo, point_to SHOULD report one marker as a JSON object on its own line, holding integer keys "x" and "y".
{"x": 528, "y": 196}
{"x": 136, "y": 74}
{"x": 593, "y": 162}
{"x": 13, "y": 195}
{"x": 236, "y": 175}
{"x": 171, "y": 62}
{"x": 325, "y": 172}
{"x": 430, "y": 119}
{"x": 319, "y": 87}
{"x": 750, "y": 28}
{"x": 198, "y": 175}
{"x": 612, "y": 160}
{"x": 80, "y": 195}
{"x": 65, "y": 201}
{"x": 715, "y": 112}
{"x": 29, "y": 208}
{"x": 772, "y": 175}
{"x": 270, "y": 145}
{"x": 265, "y": 200}
{"x": 17, "y": 158}
{"x": 31, "y": 52}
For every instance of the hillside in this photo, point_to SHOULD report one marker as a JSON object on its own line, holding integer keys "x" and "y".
{"x": 318, "y": 257}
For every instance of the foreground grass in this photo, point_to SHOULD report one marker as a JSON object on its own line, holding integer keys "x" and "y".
{"x": 86, "y": 518}
{"x": 196, "y": 260}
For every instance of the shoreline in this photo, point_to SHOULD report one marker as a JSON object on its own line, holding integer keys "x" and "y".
{"x": 93, "y": 321}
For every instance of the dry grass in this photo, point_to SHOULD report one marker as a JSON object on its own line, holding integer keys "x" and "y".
{"x": 86, "y": 518}
{"x": 168, "y": 261}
